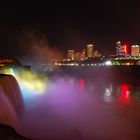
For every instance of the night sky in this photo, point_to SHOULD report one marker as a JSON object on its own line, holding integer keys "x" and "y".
{"x": 69, "y": 25}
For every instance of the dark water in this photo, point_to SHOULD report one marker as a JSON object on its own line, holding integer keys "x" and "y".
{"x": 99, "y": 104}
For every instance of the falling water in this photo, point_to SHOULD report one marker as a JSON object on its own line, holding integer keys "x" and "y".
{"x": 11, "y": 103}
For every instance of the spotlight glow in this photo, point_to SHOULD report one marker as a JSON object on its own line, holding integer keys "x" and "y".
{"x": 108, "y": 63}
{"x": 28, "y": 81}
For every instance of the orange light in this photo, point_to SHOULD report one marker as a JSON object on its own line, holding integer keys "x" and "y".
{"x": 125, "y": 49}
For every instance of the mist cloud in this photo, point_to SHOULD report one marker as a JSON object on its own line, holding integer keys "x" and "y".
{"x": 36, "y": 48}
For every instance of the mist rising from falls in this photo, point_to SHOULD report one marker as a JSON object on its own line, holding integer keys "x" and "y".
{"x": 75, "y": 108}
{"x": 70, "y": 110}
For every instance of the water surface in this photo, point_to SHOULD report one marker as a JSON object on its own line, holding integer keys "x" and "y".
{"x": 84, "y": 107}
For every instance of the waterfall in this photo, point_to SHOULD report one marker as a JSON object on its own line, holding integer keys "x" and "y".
{"x": 11, "y": 102}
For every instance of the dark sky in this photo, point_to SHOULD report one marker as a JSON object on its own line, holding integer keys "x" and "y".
{"x": 70, "y": 25}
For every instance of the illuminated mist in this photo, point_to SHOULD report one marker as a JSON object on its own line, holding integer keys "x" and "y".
{"x": 76, "y": 107}
{"x": 33, "y": 82}
{"x": 72, "y": 108}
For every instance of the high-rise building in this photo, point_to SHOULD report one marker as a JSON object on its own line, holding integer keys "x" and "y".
{"x": 77, "y": 56}
{"x": 118, "y": 46}
{"x": 90, "y": 50}
{"x": 70, "y": 55}
{"x": 135, "y": 50}
{"x": 121, "y": 50}
{"x": 96, "y": 54}
{"x": 83, "y": 55}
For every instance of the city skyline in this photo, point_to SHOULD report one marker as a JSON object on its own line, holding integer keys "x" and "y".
{"x": 91, "y": 51}
{"x": 69, "y": 25}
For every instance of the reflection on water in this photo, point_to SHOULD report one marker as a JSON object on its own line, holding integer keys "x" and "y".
{"x": 81, "y": 84}
{"x": 126, "y": 94}
{"x": 125, "y": 98}
{"x": 102, "y": 111}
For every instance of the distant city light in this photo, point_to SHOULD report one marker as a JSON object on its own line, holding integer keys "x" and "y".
{"x": 125, "y": 49}
{"x": 108, "y": 63}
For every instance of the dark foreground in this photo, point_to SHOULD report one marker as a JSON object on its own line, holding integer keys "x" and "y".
{"x": 9, "y": 133}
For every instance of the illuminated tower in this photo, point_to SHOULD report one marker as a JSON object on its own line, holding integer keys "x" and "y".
{"x": 135, "y": 50}
{"x": 121, "y": 50}
{"x": 118, "y": 46}
{"x": 89, "y": 50}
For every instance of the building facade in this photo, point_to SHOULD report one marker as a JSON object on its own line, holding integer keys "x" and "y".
{"x": 70, "y": 55}
{"x": 90, "y": 50}
{"x": 135, "y": 50}
{"x": 121, "y": 50}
